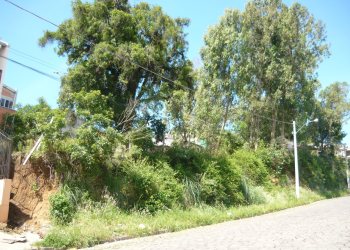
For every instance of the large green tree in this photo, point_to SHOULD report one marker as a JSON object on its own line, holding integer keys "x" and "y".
{"x": 333, "y": 111}
{"x": 130, "y": 54}
{"x": 265, "y": 57}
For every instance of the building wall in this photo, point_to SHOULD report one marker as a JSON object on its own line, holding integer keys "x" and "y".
{"x": 3, "y": 53}
{"x": 7, "y": 95}
{"x": 4, "y": 111}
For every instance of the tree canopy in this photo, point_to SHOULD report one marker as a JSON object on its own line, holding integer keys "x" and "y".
{"x": 129, "y": 83}
{"x": 266, "y": 57}
{"x": 132, "y": 55}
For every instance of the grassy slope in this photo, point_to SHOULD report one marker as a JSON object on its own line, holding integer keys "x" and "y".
{"x": 104, "y": 222}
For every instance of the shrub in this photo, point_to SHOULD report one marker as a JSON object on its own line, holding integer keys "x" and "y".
{"x": 187, "y": 161}
{"x": 322, "y": 172}
{"x": 62, "y": 207}
{"x": 251, "y": 165}
{"x": 192, "y": 192}
{"x": 230, "y": 142}
{"x": 149, "y": 186}
{"x": 277, "y": 160}
{"x": 253, "y": 194}
{"x": 220, "y": 183}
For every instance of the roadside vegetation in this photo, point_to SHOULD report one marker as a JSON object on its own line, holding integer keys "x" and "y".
{"x": 102, "y": 222}
{"x": 230, "y": 120}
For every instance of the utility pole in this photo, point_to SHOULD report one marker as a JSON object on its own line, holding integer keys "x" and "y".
{"x": 296, "y": 165}
{"x": 347, "y": 166}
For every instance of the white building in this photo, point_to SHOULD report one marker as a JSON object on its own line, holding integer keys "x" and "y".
{"x": 8, "y": 95}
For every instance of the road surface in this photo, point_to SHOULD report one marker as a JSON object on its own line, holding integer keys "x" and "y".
{"x": 321, "y": 225}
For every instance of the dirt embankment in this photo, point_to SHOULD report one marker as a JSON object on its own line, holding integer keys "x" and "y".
{"x": 32, "y": 186}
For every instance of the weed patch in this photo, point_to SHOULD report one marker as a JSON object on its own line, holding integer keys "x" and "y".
{"x": 101, "y": 222}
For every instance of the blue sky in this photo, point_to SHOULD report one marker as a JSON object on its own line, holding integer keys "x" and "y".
{"x": 22, "y": 31}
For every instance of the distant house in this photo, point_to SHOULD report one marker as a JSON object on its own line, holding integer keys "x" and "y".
{"x": 8, "y": 95}
{"x": 169, "y": 139}
{"x": 343, "y": 151}
{"x": 7, "y": 101}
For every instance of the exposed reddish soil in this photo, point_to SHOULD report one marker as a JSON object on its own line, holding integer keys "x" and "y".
{"x": 32, "y": 186}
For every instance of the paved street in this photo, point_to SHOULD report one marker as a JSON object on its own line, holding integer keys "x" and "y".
{"x": 321, "y": 225}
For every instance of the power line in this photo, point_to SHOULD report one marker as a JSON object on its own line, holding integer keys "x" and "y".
{"x": 155, "y": 73}
{"x": 35, "y": 59}
{"x": 271, "y": 119}
{"x": 31, "y": 68}
{"x": 138, "y": 65}
{"x": 44, "y": 19}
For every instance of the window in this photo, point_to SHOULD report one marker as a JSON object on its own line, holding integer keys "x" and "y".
{"x": 6, "y": 103}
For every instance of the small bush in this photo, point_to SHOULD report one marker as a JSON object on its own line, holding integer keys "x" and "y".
{"x": 253, "y": 194}
{"x": 277, "y": 160}
{"x": 62, "y": 208}
{"x": 150, "y": 187}
{"x": 322, "y": 172}
{"x": 251, "y": 165}
{"x": 187, "y": 161}
{"x": 220, "y": 184}
{"x": 192, "y": 192}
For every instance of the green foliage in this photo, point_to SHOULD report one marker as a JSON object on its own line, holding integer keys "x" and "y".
{"x": 332, "y": 109}
{"x": 231, "y": 142}
{"x": 187, "y": 161}
{"x": 220, "y": 183}
{"x": 104, "y": 222}
{"x": 277, "y": 160}
{"x": 253, "y": 194}
{"x": 92, "y": 149}
{"x": 321, "y": 171}
{"x": 192, "y": 193}
{"x": 105, "y": 42}
{"x": 62, "y": 207}
{"x": 149, "y": 187}
{"x": 28, "y": 123}
{"x": 158, "y": 128}
{"x": 262, "y": 59}
{"x": 259, "y": 60}
{"x": 210, "y": 113}
{"x": 252, "y": 167}
{"x": 181, "y": 114}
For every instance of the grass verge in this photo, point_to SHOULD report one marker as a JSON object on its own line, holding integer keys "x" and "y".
{"x": 99, "y": 223}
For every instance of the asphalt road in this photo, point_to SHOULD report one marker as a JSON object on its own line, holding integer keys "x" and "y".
{"x": 321, "y": 225}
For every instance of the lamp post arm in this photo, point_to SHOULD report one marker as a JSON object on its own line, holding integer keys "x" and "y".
{"x": 306, "y": 123}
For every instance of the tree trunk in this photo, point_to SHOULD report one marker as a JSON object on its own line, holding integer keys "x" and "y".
{"x": 227, "y": 107}
{"x": 251, "y": 131}
{"x": 283, "y": 125}
{"x": 274, "y": 123}
{"x": 256, "y": 137}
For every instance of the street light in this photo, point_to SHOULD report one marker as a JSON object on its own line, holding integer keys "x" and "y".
{"x": 296, "y": 166}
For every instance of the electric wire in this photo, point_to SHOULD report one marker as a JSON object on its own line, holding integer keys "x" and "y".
{"x": 36, "y": 60}
{"x": 153, "y": 72}
{"x": 272, "y": 119}
{"x": 128, "y": 59}
{"x": 32, "y": 13}
{"x": 31, "y": 68}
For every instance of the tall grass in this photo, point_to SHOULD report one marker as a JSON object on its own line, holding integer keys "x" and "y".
{"x": 101, "y": 222}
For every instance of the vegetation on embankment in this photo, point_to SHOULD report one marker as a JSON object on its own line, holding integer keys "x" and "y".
{"x": 130, "y": 85}
{"x": 182, "y": 189}
{"x": 100, "y": 222}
